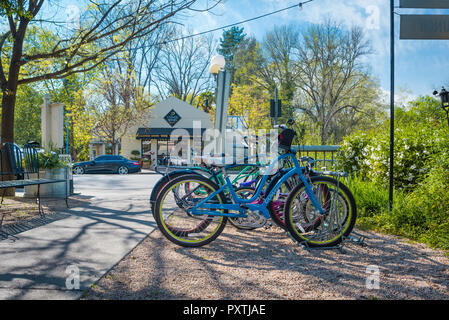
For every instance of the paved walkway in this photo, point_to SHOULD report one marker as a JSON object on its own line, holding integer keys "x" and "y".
{"x": 93, "y": 237}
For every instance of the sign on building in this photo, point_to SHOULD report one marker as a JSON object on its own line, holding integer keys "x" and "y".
{"x": 424, "y": 4}
{"x": 172, "y": 118}
{"x": 424, "y": 27}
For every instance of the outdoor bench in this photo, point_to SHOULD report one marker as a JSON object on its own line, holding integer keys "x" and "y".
{"x": 16, "y": 166}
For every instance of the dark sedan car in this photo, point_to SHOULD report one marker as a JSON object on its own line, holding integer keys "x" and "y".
{"x": 107, "y": 164}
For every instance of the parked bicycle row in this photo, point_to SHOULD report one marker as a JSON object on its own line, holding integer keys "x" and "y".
{"x": 192, "y": 206}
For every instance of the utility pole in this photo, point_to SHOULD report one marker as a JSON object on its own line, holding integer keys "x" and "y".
{"x": 276, "y": 106}
{"x": 392, "y": 92}
{"x": 67, "y": 133}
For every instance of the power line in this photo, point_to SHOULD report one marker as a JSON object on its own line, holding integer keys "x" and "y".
{"x": 299, "y": 5}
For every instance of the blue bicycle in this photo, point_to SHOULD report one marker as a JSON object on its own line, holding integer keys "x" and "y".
{"x": 319, "y": 212}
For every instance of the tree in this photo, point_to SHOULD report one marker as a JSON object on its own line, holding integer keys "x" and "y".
{"x": 182, "y": 69}
{"x": 28, "y": 125}
{"x": 248, "y": 62}
{"x": 206, "y": 101}
{"x": 331, "y": 77}
{"x": 252, "y": 105}
{"x": 279, "y": 48}
{"x": 228, "y": 44}
{"x": 120, "y": 104}
{"x": 74, "y": 51}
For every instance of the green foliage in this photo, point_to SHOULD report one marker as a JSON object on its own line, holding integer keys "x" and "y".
{"x": 248, "y": 62}
{"x": 10, "y": 8}
{"x": 135, "y": 153}
{"x": 353, "y": 153}
{"x": 228, "y": 44}
{"x": 50, "y": 160}
{"x": 72, "y": 92}
{"x": 27, "y": 123}
{"x": 252, "y": 105}
{"x": 420, "y": 141}
{"x": 421, "y": 197}
{"x": 420, "y": 214}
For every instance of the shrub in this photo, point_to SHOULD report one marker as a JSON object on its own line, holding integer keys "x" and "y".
{"x": 353, "y": 152}
{"x": 419, "y": 139}
{"x": 421, "y": 175}
{"x": 50, "y": 160}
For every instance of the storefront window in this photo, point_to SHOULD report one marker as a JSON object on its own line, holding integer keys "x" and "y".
{"x": 162, "y": 149}
{"x": 146, "y": 148}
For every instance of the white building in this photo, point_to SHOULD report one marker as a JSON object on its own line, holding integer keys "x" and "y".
{"x": 152, "y": 138}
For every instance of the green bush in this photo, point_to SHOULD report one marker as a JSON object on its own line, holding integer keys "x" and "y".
{"x": 419, "y": 140}
{"x": 421, "y": 177}
{"x": 353, "y": 153}
{"x": 50, "y": 160}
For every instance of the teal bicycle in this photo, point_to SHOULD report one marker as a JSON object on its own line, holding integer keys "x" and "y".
{"x": 319, "y": 212}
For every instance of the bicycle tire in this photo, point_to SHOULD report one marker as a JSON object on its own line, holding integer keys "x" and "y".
{"x": 162, "y": 182}
{"x": 180, "y": 236}
{"x": 302, "y": 235}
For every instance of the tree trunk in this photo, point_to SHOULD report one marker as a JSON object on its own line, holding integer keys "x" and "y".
{"x": 8, "y": 103}
{"x": 9, "y": 91}
{"x": 8, "y": 106}
{"x": 7, "y": 132}
{"x": 323, "y": 135}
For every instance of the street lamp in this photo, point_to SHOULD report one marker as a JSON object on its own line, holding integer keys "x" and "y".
{"x": 217, "y": 63}
{"x": 444, "y": 96}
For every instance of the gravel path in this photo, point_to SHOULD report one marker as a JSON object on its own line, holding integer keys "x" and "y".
{"x": 266, "y": 264}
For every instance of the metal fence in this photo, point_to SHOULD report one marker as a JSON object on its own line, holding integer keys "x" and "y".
{"x": 324, "y": 155}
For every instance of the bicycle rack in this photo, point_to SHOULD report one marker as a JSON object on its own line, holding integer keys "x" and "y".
{"x": 357, "y": 238}
{"x": 354, "y": 237}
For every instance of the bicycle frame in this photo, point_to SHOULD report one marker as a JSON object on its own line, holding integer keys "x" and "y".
{"x": 242, "y": 205}
{"x": 218, "y": 176}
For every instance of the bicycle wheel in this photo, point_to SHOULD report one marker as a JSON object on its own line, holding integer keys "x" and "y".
{"x": 160, "y": 185}
{"x": 176, "y": 223}
{"x": 304, "y": 222}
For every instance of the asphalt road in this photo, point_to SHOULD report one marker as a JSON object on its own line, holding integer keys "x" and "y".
{"x": 109, "y": 216}
{"x": 114, "y": 187}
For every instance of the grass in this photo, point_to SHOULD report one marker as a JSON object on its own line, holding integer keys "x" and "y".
{"x": 417, "y": 215}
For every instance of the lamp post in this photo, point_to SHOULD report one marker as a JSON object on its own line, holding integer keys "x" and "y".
{"x": 444, "y": 96}
{"x": 223, "y": 78}
{"x": 392, "y": 87}
{"x": 67, "y": 132}
{"x": 65, "y": 83}
{"x": 217, "y": 64}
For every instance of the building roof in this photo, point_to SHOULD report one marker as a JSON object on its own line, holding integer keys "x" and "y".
{"x": 184, "y": 117}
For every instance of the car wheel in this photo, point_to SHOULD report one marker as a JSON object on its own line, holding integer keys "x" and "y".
{"x": 78, "y": 170}
{"x": 123, "y": 170}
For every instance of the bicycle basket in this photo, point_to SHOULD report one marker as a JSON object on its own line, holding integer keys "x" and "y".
{"x": 285, "y": 138}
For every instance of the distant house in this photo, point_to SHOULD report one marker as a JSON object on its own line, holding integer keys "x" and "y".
{"x": 153, "y": 138}
{"x": 97, "y": 147}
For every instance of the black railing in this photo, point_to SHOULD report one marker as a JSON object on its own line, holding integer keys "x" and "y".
{"x": 324, "y": 155}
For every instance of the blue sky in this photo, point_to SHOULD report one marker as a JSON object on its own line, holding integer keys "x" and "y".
{"x": 420, "y": 65}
